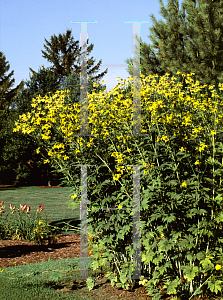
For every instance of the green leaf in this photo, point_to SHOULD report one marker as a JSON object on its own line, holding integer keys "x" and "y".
{"x": 218, "y": 286}
{"x": 123, "y": 276}
{"x": 210, "y": 159}
{"x": 158, "y": 259}
{"x": 190, "y": 272}
{"x": 219, "y": 218}
{"x": 206, "y": 263}
{"x": 90, "y": 283}
{"x": 172, "y": 288}
{"x": 119, "y": 285}
{"x": 218, "y": 198}
{"x": 95, "y": 265}
{"x": 189, "y": 257}
{"x": 170, "y": 218}
{"x": 211, "y": 286}
{"x": 215, "y": 286}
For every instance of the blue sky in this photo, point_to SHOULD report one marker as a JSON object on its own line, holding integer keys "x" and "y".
{"x": 24, "y": 24}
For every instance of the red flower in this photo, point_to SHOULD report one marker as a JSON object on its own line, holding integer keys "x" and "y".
{"x": 41, "y": 207}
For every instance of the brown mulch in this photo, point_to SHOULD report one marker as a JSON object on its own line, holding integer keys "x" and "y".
{"x": 27, "y": 252}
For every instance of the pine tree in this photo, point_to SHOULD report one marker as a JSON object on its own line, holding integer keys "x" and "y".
{"x": 6, "y": 96}
{"x": 63, "y": 52}
{"x": 195, "y": 45}
{"x": 149, "y": 63}
{"x": 49, "y": 80}
{"x": 191, "y": 43}
{"x": 10, "y": 148}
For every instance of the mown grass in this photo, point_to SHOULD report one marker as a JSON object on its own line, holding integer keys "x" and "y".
{"x": 16, "y": 284}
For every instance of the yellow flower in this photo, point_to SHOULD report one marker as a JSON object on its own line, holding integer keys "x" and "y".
{"x": 119, "y": 206}
{"x": 182, "y": 149}
{"x": 74, "y": 196}
{"x": 116, "y": 176}
{"x": 202, "y": 146}
{"x": 58, "y": 146}
{"x": 197, "y": 162}
{"x": 1, "y": 270}
{"x": 119, "y": 160}
{"x": 143, "y": 282}
{"x": 218, "y": 267}
{"x": 184, "y": 184}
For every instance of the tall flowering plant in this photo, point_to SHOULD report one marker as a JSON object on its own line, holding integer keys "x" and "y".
{"x": 181, "y": 197}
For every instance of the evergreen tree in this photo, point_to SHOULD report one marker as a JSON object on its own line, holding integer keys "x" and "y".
{"x": 6, "y": 96}
{"x": 188, "y": 46}
{"x": 63, "y": 52}
{"x": 195, "y": 45}
{"x": 51, "y": 79}
{"x": 149, "y": 63}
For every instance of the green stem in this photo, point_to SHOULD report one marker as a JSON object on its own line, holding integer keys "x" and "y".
{"x": 199, "y": 288}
